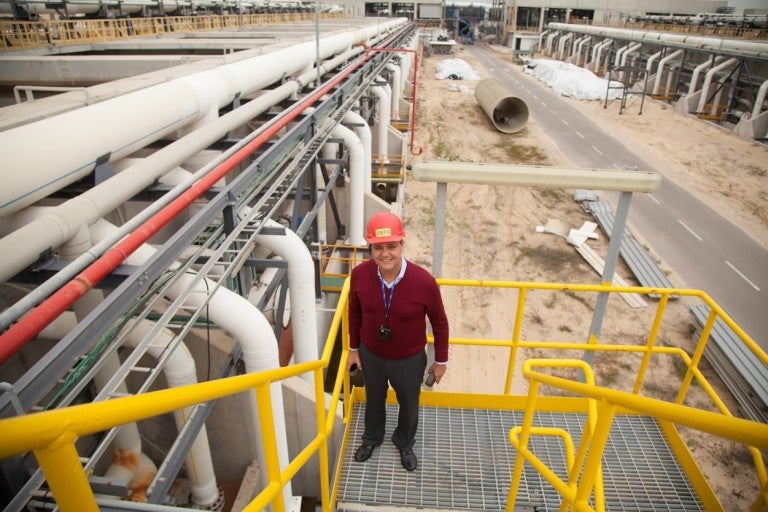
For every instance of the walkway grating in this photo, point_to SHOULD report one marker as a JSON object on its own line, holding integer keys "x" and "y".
{"x": 466, "y": 462}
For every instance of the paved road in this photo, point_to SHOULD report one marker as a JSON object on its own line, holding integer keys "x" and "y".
{"x": 706, "y": 250}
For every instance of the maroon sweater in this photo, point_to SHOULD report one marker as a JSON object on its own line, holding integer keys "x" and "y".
{"x": 416, "y": 297}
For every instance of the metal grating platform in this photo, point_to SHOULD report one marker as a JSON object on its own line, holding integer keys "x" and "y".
{"x": 466, "y": 461}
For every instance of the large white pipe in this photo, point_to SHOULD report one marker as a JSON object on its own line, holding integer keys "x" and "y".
{"x": 179, "y": 370}
{"x": 322, "y": 218}
{"x": 697, "y": 71}
{"x": 628, "y": 52}
{"x": 598, "y": 59}
{"x": 541, "y": 36}
{"x": 397, "y": 88}
{"x": 56, "y": 228}
{"x": 247, "y": 325}
{"x": 625, "y": 56}
{"x": 381, "y": 124}
{"x": 561, "y": 46}
{"x": 356, "y": 185}
{"x": 404, "y": 61}
{"x": 708, "y": 81}
{"x": 550, "y": 39}
{"x": 714, "y": 44}
{"x": 301, "y": 284}
{"x": 650, "y": 63}
{"x": 127, "y": 441}
{"x": 619, "y": 53}
{"x": 578, "y": 48}
{"x": 660, "y": 70}
{"x": 760, "y": 99}
{"x": 590, "y": 64}
{"x": 145, "y": 115}
{"x": 363, "y": 131}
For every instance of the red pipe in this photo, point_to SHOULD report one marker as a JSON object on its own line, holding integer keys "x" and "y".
{"x": 37, "y": 319}
{"x": 415, "y": 86}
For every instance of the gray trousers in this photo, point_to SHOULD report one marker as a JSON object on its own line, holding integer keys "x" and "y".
{"x": 405, "y": 376}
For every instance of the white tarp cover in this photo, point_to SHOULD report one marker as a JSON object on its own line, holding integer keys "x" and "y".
{"x": 568, "y": 79}
{"x": 455, "y": 69}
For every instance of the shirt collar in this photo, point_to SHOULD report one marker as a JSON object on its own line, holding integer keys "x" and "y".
{"x": 399, "y": 276}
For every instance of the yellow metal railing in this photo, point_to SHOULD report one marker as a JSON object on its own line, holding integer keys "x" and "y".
{"x": 337, "y": 261}
{"x": 519, "y": 436}
{"x": 51, "y": 435}
{"x": 15, "y": 35}
{"x": 387, "y": 168}
{"x": 752, "y": 434}
{"x": 713, "y": 111}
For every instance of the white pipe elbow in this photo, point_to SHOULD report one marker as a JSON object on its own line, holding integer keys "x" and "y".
{"x": 356, "y": 185}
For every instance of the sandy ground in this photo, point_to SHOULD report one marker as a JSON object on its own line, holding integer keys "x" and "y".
{"x": 491, "y": 235}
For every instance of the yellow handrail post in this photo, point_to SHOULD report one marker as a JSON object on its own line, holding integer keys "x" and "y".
{"x": 323, "y": 433}
{"x": 344, "y": 304}
{"x": 698, "y": 353}
{"x": 515, "y": 339}
{"x": 60, "y": 463}
{"x": 762, "y": 499}
{"x": 525, "y": 431}
{"x": 269, "y": 440}
{"x": 592, "y": 473}
{"x": 660, "y": 309}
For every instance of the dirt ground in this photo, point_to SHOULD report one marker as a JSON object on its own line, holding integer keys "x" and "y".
{"x": 491, "y": 235}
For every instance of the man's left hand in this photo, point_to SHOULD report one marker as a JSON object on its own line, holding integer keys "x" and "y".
{"x": 438, "y": 370}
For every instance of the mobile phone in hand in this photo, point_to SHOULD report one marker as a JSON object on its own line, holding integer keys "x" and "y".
{"x": 430, "y": 380}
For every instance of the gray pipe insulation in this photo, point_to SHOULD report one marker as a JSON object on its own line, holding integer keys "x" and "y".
{"x": 507, "y": 112}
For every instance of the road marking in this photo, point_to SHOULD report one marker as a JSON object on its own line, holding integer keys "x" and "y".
{"x": 553, "y": 112}
{"x": 691, "y": 231}
{"x": 579, "y": 134}
{"x": 535, "y": 97}
{"x": 654, "y": 199}
{"x": 741, "y": 275}
{"x": 543, "y": 104}
{"x": 564, "y": 122}
{"x": 601, "y": 153}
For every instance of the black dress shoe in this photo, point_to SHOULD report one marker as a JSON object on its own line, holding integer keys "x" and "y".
{"x": 364, "y": 452}
{"x": 408, "y": 459}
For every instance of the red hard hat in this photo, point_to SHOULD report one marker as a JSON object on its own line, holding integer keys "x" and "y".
{"x": 384, "y": 227}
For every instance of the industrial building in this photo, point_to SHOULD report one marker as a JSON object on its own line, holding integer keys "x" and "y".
{"x": 186, "y": 188}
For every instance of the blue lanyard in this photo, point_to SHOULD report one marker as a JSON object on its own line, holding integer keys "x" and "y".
{"x": 387, "y": 300}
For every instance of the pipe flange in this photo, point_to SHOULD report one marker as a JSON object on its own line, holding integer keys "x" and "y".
{"x": 217, "y": 505}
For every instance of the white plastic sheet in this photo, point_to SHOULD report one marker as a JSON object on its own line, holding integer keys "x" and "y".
{"x": 570, "y": 80}
{"x": 455, "y": 69}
